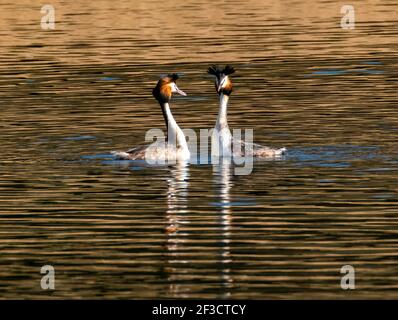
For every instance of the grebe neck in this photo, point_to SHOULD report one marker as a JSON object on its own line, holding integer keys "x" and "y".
{"x": 222, "y": 113}
{"x": 174, "y": 133}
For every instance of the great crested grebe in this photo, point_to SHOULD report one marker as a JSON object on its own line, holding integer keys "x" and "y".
{"x": 175, "y": 147}
{"x": 222, "y": 141}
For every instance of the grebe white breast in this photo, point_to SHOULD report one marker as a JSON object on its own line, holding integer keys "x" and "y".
{"x": 222, "y": 140}
{"x": 175, "y": 147}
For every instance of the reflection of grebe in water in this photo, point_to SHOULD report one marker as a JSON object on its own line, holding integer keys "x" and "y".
{"x": 222, "y": 180}
{"x": 178, "y": 241}
{"x": 177, "y": 194}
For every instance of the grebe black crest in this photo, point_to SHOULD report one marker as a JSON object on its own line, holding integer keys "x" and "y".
{"x": 216, "y": 71}
{"x": 223, "y": 83}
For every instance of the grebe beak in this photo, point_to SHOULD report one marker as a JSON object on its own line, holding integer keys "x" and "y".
{"x": 180, "y": 91}
{"x": 221, "y": 84}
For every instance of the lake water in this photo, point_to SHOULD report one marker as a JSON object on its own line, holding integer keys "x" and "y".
{"x": 114, "y": 229}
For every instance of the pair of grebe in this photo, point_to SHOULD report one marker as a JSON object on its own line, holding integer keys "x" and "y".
{"x": 175, "y": 146}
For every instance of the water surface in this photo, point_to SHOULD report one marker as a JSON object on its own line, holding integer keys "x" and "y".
{"x": 119, "y": 229}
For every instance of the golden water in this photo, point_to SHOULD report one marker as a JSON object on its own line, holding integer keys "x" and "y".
{"x": 71, "y": 95}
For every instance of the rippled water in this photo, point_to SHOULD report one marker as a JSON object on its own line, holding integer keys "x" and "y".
{"x": 119, "y": 229}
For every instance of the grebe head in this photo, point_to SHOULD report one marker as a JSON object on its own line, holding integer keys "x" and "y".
{"x": 165, "y": 87}
{"x": 222, "y": 81}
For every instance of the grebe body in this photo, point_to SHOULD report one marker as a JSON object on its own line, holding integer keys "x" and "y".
{"x": 175, "y": 147}
{"x": 223, "y": 143}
